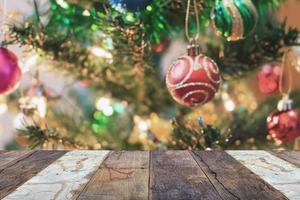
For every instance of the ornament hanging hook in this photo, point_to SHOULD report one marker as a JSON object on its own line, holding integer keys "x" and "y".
{"x": 196, "y": 37}
{"x": 288, "y": 60}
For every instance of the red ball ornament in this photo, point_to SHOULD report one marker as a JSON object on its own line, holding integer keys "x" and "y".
{"x": 268, "y": 78}
{"x": 10, "y": 72}
{"x": 162, "y": 46}
{"x": 193, "y": 79}
{"x": 284, "y": 125}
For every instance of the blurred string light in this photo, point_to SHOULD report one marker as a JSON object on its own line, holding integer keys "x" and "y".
{"x": 142, "y": 125}
{"x": 130, "y": 18}
{"x": 228, "y": 102}
{"x": 108, "y": 111}
{"x": 104, "y": 104}
{"x": 119, "y": 107}
{"x": 62, "y": 4}
{"x": 99, "y": 52}
{"x": 86, "y": 13}
{"x": 107, "y": 106}
{"x": 229, "y": 105}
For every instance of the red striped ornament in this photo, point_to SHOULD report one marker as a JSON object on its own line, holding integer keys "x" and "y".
{"x": 193, "y": 80}
{"x": 284, "y": 124}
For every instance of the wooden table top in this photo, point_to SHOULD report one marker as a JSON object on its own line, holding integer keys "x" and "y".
{"x": 141, "y": 175}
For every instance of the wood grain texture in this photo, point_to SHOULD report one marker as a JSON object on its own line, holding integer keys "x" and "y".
{"x": 10, "y": 157}
{"x": 231, "y": 179}
{"x": 62, "y": 178}
{"x": 290, "y": 156}
{"x": 282, "y": 175}
{"x": 15, "y": 175}
{"x": 123, "y": 175}
{"x": 176, "y": 175}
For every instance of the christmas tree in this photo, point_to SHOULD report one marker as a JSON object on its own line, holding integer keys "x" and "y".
{"x": 153, "y": 74}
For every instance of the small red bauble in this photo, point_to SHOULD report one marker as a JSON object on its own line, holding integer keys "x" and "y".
{"x": 284, "y": 126}
{"x": 268, "y": 78}
{"x": 193, "y": 79}
{"x": 10, "y": 72}
{"x": 162, "y": 46}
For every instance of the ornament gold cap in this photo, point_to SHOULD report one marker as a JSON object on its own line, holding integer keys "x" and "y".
{"x": 193, "y": 49}
{"x": 285, "y": 104}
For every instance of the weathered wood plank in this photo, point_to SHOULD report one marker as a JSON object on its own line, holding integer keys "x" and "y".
{"x": 176, "y": 175}
{"x": 10, "y": 157}
{"x": 15, "y": 175}
{"x": 290, "y": 156}
{"x": 233, "y": 180}
{"x": 62, "y": 178}
{"x": 282, "y": 175}
{"x": 123, "y": 175}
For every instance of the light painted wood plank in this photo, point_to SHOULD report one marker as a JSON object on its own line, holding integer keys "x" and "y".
{"x": 290, "y": 156}
{"x": 63, "y": 178}
{"x": 123, "y": 175}
{"x": 18, "y": 172}
{"x": 282, "y": 175}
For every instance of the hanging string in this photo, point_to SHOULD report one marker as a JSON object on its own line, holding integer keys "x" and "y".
{"x": 288, "y": 61}
{"x": 187, "y": 20}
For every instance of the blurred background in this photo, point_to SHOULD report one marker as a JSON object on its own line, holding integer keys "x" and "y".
{"x": 73, "y": 112}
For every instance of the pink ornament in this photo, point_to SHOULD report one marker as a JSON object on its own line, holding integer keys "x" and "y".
{"x": 268, "y": 78}
{"x": 10, "y": 72}
{"x": 193, "y": 79}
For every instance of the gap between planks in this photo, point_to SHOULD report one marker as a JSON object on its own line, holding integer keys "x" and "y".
{"x": 78, "y": 192}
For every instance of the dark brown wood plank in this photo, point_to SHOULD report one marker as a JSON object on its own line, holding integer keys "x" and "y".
{"x": 123, "y": 175}
{"x": 231, "y": 179}
{"x": 289, "y": 156}
{"x": 10, "y": 157}
{"x": 176, "y": 175}
{"x": 19, "y": 172}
